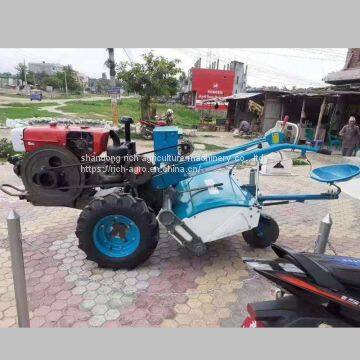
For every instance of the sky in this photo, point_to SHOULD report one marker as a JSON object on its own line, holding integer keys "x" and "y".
{"x": 300, "y": 67}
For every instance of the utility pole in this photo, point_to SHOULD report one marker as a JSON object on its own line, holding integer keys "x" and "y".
{"x": 25, "y": 73}
{"x": 66, "y": 88}
{"x": 114, "y": 108}
{"x": 322, "y": 110}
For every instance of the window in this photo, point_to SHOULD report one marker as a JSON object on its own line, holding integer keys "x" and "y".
{"x": 237, "y": 79}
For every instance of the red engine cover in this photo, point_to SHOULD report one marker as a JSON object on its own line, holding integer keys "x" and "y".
{"x": 40, "y": 136}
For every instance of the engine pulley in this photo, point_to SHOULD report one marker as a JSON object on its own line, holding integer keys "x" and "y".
{"x": 48, "y": 185}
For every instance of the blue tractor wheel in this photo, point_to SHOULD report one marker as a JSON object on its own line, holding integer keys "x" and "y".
{"x": 116, "y": 236}
{"x": 117, "y": 231}
{"x": 265, "y": 234}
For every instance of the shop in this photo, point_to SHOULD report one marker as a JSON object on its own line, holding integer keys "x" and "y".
{"x": 320, "y": 113}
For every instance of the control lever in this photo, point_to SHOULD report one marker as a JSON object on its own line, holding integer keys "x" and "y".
{"x": 126, "y": 120}
{"x": 201, "y": 188}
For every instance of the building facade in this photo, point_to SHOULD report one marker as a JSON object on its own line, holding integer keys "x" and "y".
{"x": 350, "y": 74}
{"x": 8, "y": 81}
{"x": 240, "y": 76}
{"x": 204, "y": 84}
{"x": 45, "y": 68}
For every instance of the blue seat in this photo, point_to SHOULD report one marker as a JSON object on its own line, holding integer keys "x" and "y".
{"x": 335, "y": 173}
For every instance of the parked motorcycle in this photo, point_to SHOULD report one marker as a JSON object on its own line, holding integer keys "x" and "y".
{"x": 317, "y": 290}
{"x": 147, "y": 126}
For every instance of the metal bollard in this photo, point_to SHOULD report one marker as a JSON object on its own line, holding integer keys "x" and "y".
{"x": 252, "y": 181}
{"x": 18, "y": 270}
{"x": 323, "y": 235}
{"x": 252, "y": 177}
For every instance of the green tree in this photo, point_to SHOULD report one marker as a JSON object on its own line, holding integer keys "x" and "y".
{"x": 51, "y": 81}
{"x": 155, "y": 76}
{"x": 21, "y": 71}
{"x": 43, "y": 80}
{"x": 73, "y": 84}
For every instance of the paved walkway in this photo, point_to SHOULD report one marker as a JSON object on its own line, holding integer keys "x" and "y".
{"x": 173, "y": 288}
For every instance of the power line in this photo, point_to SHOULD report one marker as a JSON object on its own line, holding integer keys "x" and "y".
{"x": 328, "y": 56}
{"x": 267, "y": 72}
{"x": 131, "y": 61}
{"x": 254, "y": 63}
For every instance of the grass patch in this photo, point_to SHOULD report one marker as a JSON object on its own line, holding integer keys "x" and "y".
{"x": 102, "y": 108}
{"x": 73, "y": 96}
{"x": 98, "y": 109}
{"x": 22, "y": 111}
{"x": 299, "y": 162}
{"x": 29, "y": 104}
{"x": 184, "y": 117}
{"x": 6, "y": 149}
{"x": 11, "y": 95}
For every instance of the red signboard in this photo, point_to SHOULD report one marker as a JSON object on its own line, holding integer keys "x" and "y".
{"x": 211, "y": 83}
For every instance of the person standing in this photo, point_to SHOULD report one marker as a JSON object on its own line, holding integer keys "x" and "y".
{"x": 245, "y": 127}
{"x": 350, "y": 137}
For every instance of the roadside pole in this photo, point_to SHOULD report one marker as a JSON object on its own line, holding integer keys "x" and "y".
{"x": 113, "y": 94}
{"x": 18, "y": 269}
{"x": 66, "y": 88}
{"x": 25, "y": 79}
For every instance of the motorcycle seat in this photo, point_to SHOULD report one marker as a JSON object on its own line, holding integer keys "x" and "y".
{"x": 335, "y": 272}
{"x": 345, "y": 269}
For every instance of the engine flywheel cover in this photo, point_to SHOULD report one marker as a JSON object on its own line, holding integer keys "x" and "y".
{"x": 47, "y": 181}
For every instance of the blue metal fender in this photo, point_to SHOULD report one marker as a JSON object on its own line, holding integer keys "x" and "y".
{"x": 230, "y": 193}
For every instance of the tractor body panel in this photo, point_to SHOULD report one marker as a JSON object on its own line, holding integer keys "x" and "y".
{"x": 214, "y": 212}
{"x": 166, "y": 140}
{"x": 230, "y": 193}
{"x": 221, "y": 222}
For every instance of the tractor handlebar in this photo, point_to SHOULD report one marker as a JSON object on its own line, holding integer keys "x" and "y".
{"x": 192, "y": 167}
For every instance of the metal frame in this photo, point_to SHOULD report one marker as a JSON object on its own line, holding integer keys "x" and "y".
{"x": 172, "y": 175}
{"x": 191, "y": 167}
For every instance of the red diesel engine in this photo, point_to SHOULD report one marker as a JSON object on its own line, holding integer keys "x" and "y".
{"x": 58, "y": 167}
{"x": 80, "y": 140}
